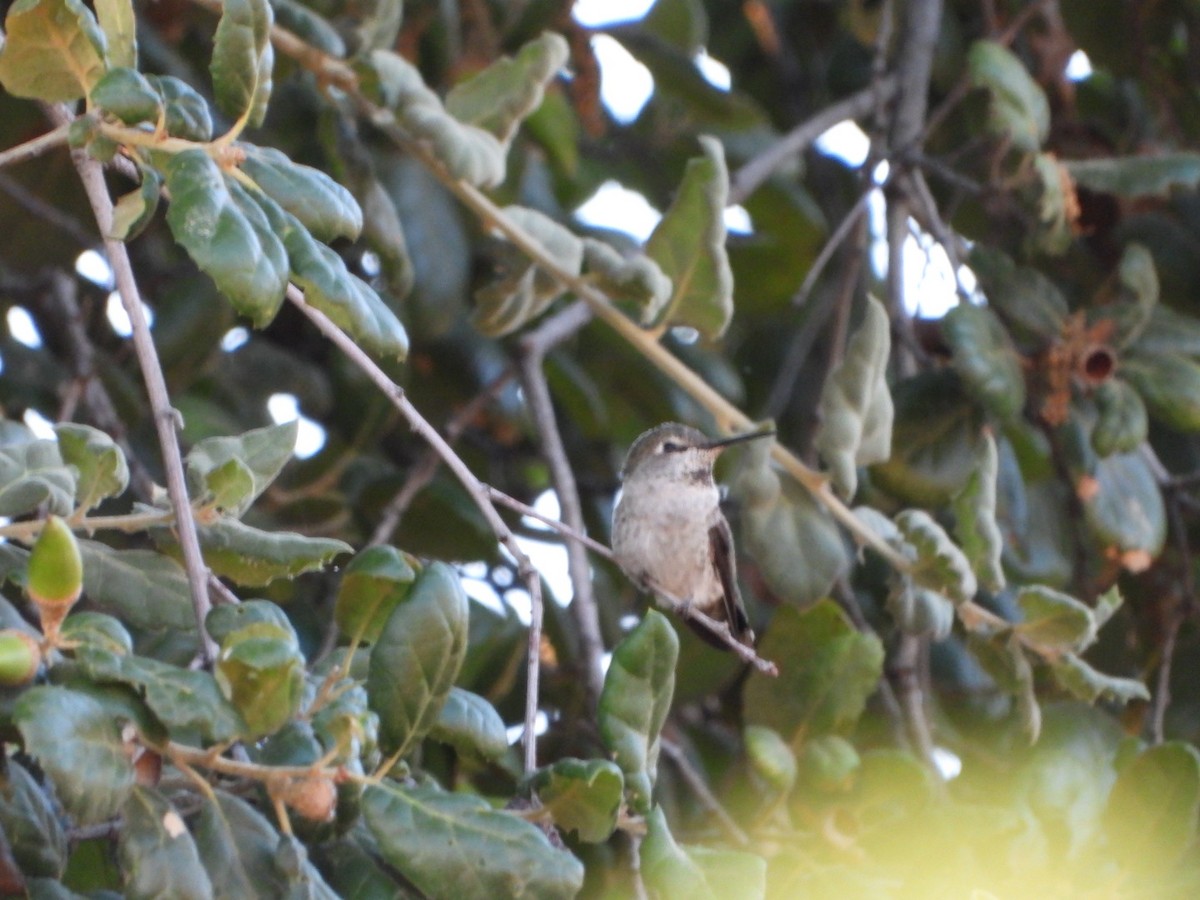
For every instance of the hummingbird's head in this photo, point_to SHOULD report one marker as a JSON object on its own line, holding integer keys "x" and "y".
{"x": 673, "y": 447}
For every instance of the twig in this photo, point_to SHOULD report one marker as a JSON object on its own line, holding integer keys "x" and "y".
{"x": 426, "y": 431}
{"x": 537, "y": 396}
{"x": 695, "y": 781}
{"x": 34, "y": 147}
{"x": 35, "y": 205}
{"x": 806, "y": 334}
{"x": 747, "y": 179}
{"x": 59, "y": 302}
{"x": 422, "y": 473}
{"x": 166, "y": 419}
{"x": 719, "y": 630}
{"x": 565, "y": 530}
{"x": 910, "y": 696}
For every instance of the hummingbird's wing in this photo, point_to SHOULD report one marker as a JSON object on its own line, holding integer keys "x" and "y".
{"x": 720, "y": 540}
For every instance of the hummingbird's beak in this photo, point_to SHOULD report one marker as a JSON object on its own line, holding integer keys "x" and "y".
{"x": 737, "y": 439}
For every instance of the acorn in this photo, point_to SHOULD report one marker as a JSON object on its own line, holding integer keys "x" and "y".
{"x": 55, "y": 575}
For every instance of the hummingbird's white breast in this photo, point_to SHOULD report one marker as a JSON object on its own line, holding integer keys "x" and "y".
{"x": 661, "y": 537}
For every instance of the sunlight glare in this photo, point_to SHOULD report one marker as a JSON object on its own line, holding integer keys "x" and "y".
{"x": 615, "y": 206}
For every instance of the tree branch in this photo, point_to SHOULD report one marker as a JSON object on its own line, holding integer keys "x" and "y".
{"x": 166, "y": 418}
{"x": 473, "y": 486}
{"x": 537, "y": 395}
{"x": 752, "y": 174}
{"x": 35, "y": 147}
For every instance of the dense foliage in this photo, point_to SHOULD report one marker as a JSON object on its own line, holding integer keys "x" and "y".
{"x": 968, "y": 552}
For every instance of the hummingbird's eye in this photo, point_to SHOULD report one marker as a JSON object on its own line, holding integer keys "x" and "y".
{"x": 671, "y": 447}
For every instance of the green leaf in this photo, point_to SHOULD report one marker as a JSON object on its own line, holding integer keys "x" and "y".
{"x": 672, "y": 870}
{"x": 31, "y": 823}
{"x": 349, "y": 301}
{"x": 521, "y": 291}
{"x": 252, "y": 557}
{"x": 792, "y": 538}
{"x": 1057, "y": 207}
{"x": 237, "y": 846}
{"x": 373, "y": 583}
{"x": 320, "y": 204}
{"x": 689, "y": 246}
{"x": 975, "y": 518}
{"x": 455, "y": 845}
{"x": 97, "y": 631}
{"x": 417, "y": 658}
{"x": 1125, "y": 511}
{"x": 142, "y": 588}
{"x": 54, "y": 50}
{"x": 985, "y": 359}
{"x": 1003, "y": 658}
{"x": 310, "y": 26}
{"x": 581, "y": 795}
{"x": 1170, "y": 387}
{"x": 635, "y": 701}
{"x": 1054, "y": 619}
{"x": 119, "y": 25}
{"x": 128, "y": 95}
{"x": 1019, "y": 109}
{"x": 224, "y": 620}
{"x": 635, "y": 281}
{"x": 1151, "y": 816}
{"x": 101, "y": 466}
{"x": 227, "y": 235}
{"x": 242, "y": 59}
{"x": 471, "y": 725}
{"x": 157, "y": 854}
{"x": 856, "y": 409}
{"x": 1137, "y": 176}
{"x": 235, "y": 470}
{"x": 354, "y": 868}
{"x": 828, "y": 764}
{"x": 827, "y": 672}
{"x": 260, "y": 670}
{"x": 939, "y": 564}
{"x": 1137, "y": 295}
{"x": 32, "y": 473}
{"x": 1032, "y": 306}
{"x": 771, "y": 759}
{"x": 135, "y": 210}
{"x": 668, "y": 870}
{"x": 187, "y": 112}
{"x": 1122, "y": 423}
{"x": 919, "y": 610}
{"x": 1084, "y": 682}
{"x": 185, "y": 700}
{"x": 502, "y": 95}
{"x": 935, "y": 439}
{"x": 78, "y": 744}
{"x": 468, "y": 152}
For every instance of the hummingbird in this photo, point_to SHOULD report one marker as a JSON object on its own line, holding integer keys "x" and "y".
{"x": 669, "y": 534}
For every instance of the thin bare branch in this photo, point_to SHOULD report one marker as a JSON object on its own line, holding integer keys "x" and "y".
{"x": 166, "y": 418}
{"x": 57, "y": 137}
{"x": 470, "y": 483}
{"x": 565, "y": 530}
{"x": 537, "y": 395}
{"x": 422, "y": 473}
{"x": 750, "y": 176}
{"x": 695, "y": 781}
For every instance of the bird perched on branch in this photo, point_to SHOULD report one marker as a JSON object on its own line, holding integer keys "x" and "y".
{"x": 669, "y": 534}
